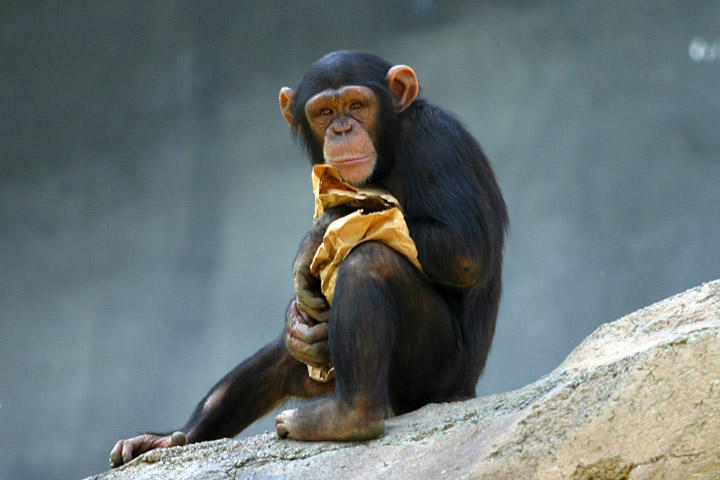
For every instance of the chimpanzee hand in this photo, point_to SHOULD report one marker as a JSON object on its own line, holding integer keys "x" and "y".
{"x": 126, "y": 450}
{"x": 309, "y": 298}
{"x": 306, "y": 339}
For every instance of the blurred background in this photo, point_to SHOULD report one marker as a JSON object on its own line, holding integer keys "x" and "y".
{"x": 152, "y": 200}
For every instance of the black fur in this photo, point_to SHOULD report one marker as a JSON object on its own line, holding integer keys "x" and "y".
{"x": 399, "y": 338}
{"x": 452, "y": 203}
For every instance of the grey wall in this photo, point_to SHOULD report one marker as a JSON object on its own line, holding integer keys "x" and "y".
{"x": 151, "y": 198}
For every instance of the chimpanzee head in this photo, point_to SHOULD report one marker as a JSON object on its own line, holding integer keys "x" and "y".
{"x": 346, "y": 112}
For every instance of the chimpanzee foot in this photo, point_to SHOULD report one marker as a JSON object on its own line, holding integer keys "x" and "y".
{"x": 126, "y": 450}
{"x": 328, "y": 419}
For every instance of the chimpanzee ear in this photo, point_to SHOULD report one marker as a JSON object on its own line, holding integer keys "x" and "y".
{"x": 286, "y": 103}
{"x": 403, "y": 82}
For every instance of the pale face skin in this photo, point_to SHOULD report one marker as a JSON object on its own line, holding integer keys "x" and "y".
{"x": 345, "y": 120}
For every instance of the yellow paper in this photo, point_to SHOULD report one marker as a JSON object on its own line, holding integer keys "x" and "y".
{"x": 344, "y": 234}
{"x": 330, "y": 191}
{"x": 379, "y": 219}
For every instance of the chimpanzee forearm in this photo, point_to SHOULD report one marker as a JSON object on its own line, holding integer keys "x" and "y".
{"x": 245, "y": 394}
{"x": 315, "y": 235}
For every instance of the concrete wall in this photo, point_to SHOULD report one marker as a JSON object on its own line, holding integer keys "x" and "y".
{"x": 151, "y": 199}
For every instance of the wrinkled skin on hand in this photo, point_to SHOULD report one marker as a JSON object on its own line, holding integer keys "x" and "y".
{"x": 306, "y": 339}
{"x": 308, "y": 297}
{"x": 126, "y": 450}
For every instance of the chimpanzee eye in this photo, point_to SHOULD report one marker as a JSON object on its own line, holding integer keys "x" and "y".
{"x": 325, "y": 111}
{"x": 355, "y": 105}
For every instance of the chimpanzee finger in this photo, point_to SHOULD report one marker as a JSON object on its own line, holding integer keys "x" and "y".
{"x": 296, "y": 315}
{"x": 310, "y": 292}
{"x": 316, "y": 314}
{"x": 319, "y": 352}
{"x": 299, "y": 350}
{"x": 127, "y": 451}
{"x": 310, "y": 333}
{"x": 311, "y": 299}
{"x": 116, "y": 454}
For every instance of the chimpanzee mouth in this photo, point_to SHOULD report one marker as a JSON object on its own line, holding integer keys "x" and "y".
{"x": 352, "y": 160}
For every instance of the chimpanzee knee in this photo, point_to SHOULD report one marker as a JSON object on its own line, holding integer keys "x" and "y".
{"x": 381, "y": 297}
{"x": 374, "y": 263}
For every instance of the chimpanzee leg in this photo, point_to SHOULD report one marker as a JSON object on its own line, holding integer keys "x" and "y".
{"x": 249, "y": 391}
{"x": 245, "y": 394}
{"x": 393, "y": 345}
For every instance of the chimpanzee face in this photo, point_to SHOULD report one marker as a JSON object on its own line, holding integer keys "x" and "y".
{"x": 343, "y": 126}
{"x": 345, "y": 122}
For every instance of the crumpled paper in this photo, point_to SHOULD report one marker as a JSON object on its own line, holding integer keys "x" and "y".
{"x": 378, "y": 219}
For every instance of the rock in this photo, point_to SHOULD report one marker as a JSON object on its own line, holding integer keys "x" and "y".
{"x": 638, "y": 399}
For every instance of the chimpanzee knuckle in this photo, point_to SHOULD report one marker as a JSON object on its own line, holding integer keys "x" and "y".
{"x": 315, "y": 351}
{"x": 317, "y": 333}
{"x": 310, "y": 312}
{"x": 127, "y": 451}
{"x": 314, "y": 302}
{"x": 117, "y": 448}
{"x": 304, "y": 282}
{"x": 295, "y": 345}
{"x": 301, "y": 305}
{"x": 290, "y": 325}
{"x": 302, "y": 296}
{"x": 305, "y": 319}
{"x": 318, "y": 316}
{"x": 300, "y": 332}
{"x": 312, "y": 306}
{"x": 323, "y": 316}
{"x": 157, "y": 441}
{"x": 116, "y": 454}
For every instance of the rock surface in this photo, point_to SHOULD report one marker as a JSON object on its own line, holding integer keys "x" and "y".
{"x": 638, "y": 399}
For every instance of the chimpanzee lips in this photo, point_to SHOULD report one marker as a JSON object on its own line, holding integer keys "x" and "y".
{"x": 351, "y": 160}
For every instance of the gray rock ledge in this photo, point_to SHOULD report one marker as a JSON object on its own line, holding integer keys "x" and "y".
{"x": 638, "y": 399}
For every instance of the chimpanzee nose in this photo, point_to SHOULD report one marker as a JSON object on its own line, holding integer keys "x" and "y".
{"x": 342, "y": 127}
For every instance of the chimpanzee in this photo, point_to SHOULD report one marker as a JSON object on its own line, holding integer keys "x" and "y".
{"x": 398, "y": 337}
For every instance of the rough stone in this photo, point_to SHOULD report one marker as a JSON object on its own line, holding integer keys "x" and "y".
{"x": 638, "y": 399}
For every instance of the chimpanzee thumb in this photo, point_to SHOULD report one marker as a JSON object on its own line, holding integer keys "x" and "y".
{"x": 178, "y": 439}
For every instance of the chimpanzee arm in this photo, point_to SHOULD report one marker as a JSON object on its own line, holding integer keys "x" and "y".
{"x": 453, "y": 205}
{"x": 459, "y": 234}
{"x": 307, "y": 287}
{"x": 446, "y": 257}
